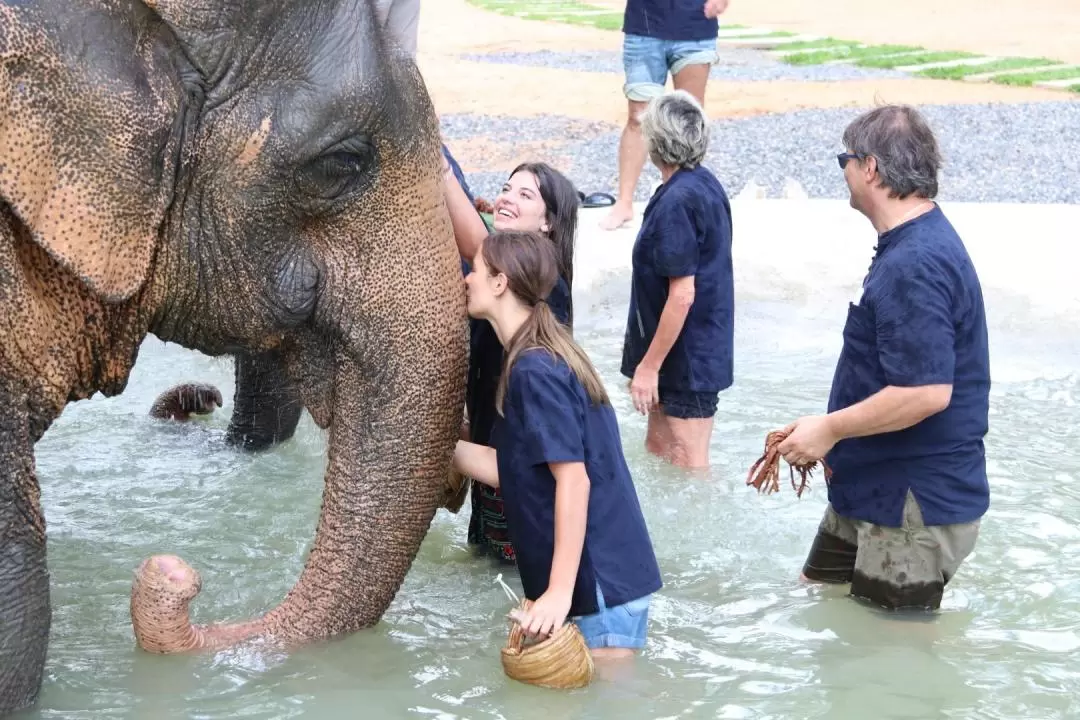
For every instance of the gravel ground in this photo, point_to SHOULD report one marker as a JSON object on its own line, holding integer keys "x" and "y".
{"x": 741, "y": 65}
{"x": 992, "y": 152}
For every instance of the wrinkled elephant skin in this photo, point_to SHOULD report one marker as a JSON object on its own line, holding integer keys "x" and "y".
{"x": 252, "y": 178}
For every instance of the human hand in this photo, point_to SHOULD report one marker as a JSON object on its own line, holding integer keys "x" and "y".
{"x": 546, "y": 615}
{"x": 645, "y": 388}
{"x": 810, "y": 439}
{"x": 714, "y": 8}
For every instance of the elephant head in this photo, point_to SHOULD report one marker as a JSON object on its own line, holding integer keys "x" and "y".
{"x": 256, "y": 178}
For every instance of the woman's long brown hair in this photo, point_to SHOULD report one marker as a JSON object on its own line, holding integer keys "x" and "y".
{"x": 530, "y": 264}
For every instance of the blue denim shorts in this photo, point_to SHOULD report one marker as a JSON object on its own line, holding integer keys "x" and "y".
{"x": 622, "y": 626}
{"x": 688, "y": 404}
{"x": 647, "y": 62}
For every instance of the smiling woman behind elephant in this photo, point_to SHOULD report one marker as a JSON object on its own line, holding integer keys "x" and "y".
{"x": 535, "y": 198}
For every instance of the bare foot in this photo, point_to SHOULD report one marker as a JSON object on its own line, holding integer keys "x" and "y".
{"x": 618, "y": 216}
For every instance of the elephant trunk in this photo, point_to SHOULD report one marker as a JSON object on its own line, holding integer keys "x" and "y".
{"x": 390, "y": 446}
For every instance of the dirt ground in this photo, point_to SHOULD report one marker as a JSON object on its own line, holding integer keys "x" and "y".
{"x": 1032, "y": 28}
{"x": 450, "y": 28}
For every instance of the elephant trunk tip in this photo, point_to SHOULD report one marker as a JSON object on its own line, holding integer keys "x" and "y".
{"x": 161, "y": 592}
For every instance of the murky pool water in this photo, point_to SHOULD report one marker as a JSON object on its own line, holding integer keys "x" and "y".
{"x": 733, "y": 634}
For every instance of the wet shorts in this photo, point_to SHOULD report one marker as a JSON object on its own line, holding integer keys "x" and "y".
{"x": 687, "y": 404}
{"x": 622, "y": 626}
{"x": 647, "y": 62}
{"x": 896, "y": 568}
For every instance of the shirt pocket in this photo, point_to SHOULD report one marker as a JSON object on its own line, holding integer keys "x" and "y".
{"x": 860, "y": 332}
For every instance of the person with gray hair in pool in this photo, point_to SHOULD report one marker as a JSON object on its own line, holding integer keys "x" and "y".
{"x": 909, "y": 404}
{"x": 680, "y": 331}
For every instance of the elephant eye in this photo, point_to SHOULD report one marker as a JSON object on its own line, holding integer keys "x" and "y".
{"x": 343, "y": 170}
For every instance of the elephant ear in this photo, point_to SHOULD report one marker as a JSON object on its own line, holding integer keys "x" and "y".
{"x": 85, "y": 136}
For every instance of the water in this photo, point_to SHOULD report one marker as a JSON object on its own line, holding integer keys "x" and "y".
{"x": 733, "y": 634}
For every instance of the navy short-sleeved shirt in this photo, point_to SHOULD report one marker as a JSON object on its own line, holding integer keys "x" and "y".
{"x": 485, "y": 364}
{"x": 549, "y": 418}
{"x": 669, "y": 20}
{"x": 920, "y": 321}
{"x": 686, "y": 230}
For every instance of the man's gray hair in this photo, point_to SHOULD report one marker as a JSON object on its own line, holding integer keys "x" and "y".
{"x": 907, "y": 154}
{"x": 675, "y": 129}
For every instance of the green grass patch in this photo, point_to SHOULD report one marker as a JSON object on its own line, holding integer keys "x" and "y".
{"x": 822, "y": 44}
{"x": 564, "y": 11}
{"x": 917, "y": 59}
{"x": 961, "y": 71}
{"x": 816, "y": 57}
{"x": 1027, "y": 79}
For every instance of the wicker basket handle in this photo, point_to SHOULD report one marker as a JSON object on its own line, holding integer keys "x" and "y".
{"x": 516, "y": 639}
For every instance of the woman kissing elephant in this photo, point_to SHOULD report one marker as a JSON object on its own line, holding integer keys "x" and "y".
{"x": 252, "y": 178}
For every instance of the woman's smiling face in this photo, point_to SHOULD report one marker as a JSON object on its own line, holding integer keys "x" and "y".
{"x": 519, "y": 206}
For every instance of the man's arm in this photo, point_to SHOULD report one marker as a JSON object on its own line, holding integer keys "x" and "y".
{"x": 672, "y": 318}
{"x": 890, "y": 409}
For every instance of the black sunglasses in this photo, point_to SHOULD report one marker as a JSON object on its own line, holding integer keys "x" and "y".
{"x": 842, "y": 158}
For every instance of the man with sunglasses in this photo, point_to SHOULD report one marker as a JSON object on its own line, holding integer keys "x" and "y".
{"x": 909, "y": 404}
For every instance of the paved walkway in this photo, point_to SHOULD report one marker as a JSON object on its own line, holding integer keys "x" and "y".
{"x": 1031, "y": 28}
{"x": 450, "y": 28}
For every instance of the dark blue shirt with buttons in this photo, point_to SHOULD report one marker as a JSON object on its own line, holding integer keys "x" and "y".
{"x": 920, "y": 321}
{"x": 549, "y": 418}
{"x": 686, "y": 230}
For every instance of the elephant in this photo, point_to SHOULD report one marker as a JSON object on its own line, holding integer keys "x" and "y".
{"x": 255, "y": 178}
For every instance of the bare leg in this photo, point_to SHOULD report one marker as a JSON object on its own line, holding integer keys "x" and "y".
{"x": 693, "y": 79}
{"x": 631, "y": 162}
{"x": 613, "y": 664}
{"x": 682, "y": 442}
{"x": 658, "y": 435}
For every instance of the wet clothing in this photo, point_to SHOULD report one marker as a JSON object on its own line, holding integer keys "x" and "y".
{"x": 896, "y": 568}
{"x": 669, "y": 20}
{"x": 549, "y": 418}
{"x": 686, "y": 230}
{"x": 687, "y": 404}
{"x": 920, "y": 320}
{"x": 487, "y": 525}
{"x": 624, "y": 626}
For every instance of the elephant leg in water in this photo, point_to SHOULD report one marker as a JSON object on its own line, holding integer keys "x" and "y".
{"x": 266, "y": 404}
{"x": 183, "y": 401}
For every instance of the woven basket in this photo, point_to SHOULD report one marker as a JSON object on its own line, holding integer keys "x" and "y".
{"x": 562, "y": 661}
{"x": 455, "y": 491}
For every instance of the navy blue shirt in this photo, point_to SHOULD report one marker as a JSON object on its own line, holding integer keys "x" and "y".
{"x": 549, "y": 418}
{"x": 686, "y": 230}
{"x": 920, "y": 321}
{"x": 669, "y": 20}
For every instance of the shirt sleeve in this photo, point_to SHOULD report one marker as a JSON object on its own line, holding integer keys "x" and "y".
{"x": 675, "y": 240}
{"x": 549, "y": 412}
{"x": 914, "y": 323}
{"x": 559, "y": 301}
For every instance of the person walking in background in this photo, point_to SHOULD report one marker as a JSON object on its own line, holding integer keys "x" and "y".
{"x": 910, "y": 399}
{"x": 659, "y": 36}
{"x": 680, "y": 330}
